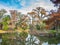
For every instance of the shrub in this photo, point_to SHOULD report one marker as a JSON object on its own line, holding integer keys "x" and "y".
{"x": 5, "y": 25}
{"x": 52, "y": 31}
{"x": 38, "y": 27}
{"x": 42, "y": 26}
{"x": 24, "y": 28}
{"x": 23, "y": 35}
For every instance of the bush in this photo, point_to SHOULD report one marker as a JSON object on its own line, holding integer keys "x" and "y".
{"x": 52, "y": 31}
{"x": 5, "y": 26}
{"x": 23, "y": 35}
{"x": 24, "y": 28}
{"x": 38, "y": 27}
{"x": 42, "y": 26}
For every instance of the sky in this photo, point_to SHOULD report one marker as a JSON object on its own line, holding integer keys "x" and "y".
{"x": 25, "y": 6}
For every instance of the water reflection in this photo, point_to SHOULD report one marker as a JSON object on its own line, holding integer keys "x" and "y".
{"x": 27, "y": 39}
{"x": 32, "y": 40}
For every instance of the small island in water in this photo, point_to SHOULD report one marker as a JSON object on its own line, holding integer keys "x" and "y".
{"x": 30, "y": 22}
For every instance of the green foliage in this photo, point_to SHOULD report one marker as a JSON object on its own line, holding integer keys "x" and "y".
{"x": 5, "y": 39}
{"x": 2, "y": 12}
{"x": 52, "y": 31}
{"x": 6, "y": 18}
{"x": 38, "y": 27}
{"x": 31, "y": 27}
{"x": 5, "y": 25}
{"x": 24, "y": 28}
{"x": 42, "y": 26}
{"x": 23, "y": 34}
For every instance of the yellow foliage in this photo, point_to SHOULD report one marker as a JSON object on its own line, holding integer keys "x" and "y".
{"x": 1, "y": 31}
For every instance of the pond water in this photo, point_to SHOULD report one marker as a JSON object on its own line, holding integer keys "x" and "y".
{"x": 27, "y": 39}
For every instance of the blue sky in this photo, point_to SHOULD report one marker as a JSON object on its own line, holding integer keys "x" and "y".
{"x": 25, "y": 5}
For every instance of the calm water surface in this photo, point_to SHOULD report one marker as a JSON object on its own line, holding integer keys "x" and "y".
{"x": 27, "y": 39}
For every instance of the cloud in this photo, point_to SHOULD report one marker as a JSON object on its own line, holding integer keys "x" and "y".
{"x": 32, "y": 5}
{"x": 23, "y": 3}
{"x": 7, "y": 8}
{"x": 47, "y": 6}
{"x": 44, "y": 5}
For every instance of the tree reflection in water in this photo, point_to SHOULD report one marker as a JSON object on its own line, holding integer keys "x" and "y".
{"x": 32, "y": 40}
{"x": 50, "y": 41}
{"x": 16, "y": 39}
